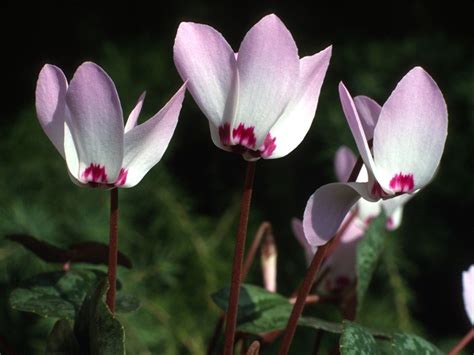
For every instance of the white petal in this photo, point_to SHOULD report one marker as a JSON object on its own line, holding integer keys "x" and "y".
{"x": 133, "y": 117}
{"x": 344, "y": 163}
{"x": 356, "y": 127}
{"x": 294, "y": 123}
{"x": 369, "y": 112}
{"x": 51, "y": 91}
{"x": 146, "y": 143}
{"x": 327, "y": 208}
{"x": 468, "y": 292}
{"x": 410, "y": 134}
{"x": 268, "y": 67}
{"x": 205, "y": 59}
{"x": 96, "y": 123}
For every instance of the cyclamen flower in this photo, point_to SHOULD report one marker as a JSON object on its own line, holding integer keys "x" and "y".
{"x": 408, "y": 134}
{"x": 260, "y": 102}
{"x": 468, "y": 292}
{"x": 339, "y": 267}
{"x": 367, "y": 211}
{"x": 84, "y": 121}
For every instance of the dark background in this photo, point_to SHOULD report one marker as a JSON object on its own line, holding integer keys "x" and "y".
{"x": 374, "y": 45}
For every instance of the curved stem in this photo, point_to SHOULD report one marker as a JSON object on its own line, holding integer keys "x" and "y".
{"x": 231, "y": 316}
{"x": 311, "y": 274}
{"x": 113, "y": 249}
{"x": 463, "y": 342}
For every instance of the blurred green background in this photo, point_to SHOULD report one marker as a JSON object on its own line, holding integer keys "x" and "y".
{"x": 178, "y": 224}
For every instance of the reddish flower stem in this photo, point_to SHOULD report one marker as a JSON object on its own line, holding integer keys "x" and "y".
{"x": 463, "y": 342}
{"x": 310, "y": 276}
{"x": 231, "y": 316}
{"x": 113, "y": 249}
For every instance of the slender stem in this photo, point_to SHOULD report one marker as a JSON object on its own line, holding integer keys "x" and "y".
{"x": 113, "y": 249}
{"x": 302, "y": 294}
{"x": 317, "y": 342}
{"x": 311, "y": 274}
{"x": 265, "y": 227}
{"x": 231, "y": 317}
{"x": 463, "y": 342}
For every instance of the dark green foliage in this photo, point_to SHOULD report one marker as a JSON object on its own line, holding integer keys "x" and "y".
{"x": 369, "y": 250}
{"x": 356, "y": 340}
{"x": 61, "y": 340}
{"x": 60, "y": 294}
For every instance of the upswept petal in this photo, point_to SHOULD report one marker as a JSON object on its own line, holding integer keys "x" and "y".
{"x": 356, "y": 127}
{"x": 204, "y": 58}
{"x": 146, "y": 143}
{"x": 133, "y": 117}
{"x": 51, "y": 89}
{"x": 393, "y": 208}
{"x": 344, "y": 163}
{"x": 327, "y": 208}
{"x": 294, "y": 123}
{"x": 268, "y": 67}
{"x": 96, "y": 121}
{"x": 298, "y": 232}
{"x": 367, "y": 211}
{"x": 369, "y": 112}
{"x": 468, "y": 292}
{"x": 410, "y": 134}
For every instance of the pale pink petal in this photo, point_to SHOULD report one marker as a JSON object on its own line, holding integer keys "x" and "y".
{"x": 369, "y": 112}
{"x": 344, "y": 163}
{"x": 133, "y": 117}
{"x": 70, "y": 154}
{"x": 356, "y": 127}
{"x": 468, "y": 292}
{"x": 410, "y": 134}
{"x": 294, "y": 123}
{"x": 367, "y": 211}
{"x": 96, "y": 122}
{"x": 393, "y": 208}
{"x": 298, "y": 232}
{"x": 327, "y": 208}
{"x": 146, "y": 143}
{"x": 268, "y": 67}
{"x": 204, "y": 58}
{"x": 51, "y": 90}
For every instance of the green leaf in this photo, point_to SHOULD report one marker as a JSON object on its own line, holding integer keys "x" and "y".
{"x": 407, "y": 344}
{"x": 126, "y": 303}
{"x": 60, "y": 294}
{"x": 61, "y": 340}
{"x": 356, "y": 340}
{"x": 98, "y": 331}
{"x": 369, "y": 250}
{"x": 259, "y": 311}
{"x": 55, "y": 294}
{"x": 320, "y": 324}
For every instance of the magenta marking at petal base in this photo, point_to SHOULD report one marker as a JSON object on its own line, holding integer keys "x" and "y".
{"x": 402, "y": 183}
{"x": 95, "y": 173}
{"x": 224, "y": 134}
{"x": 244, "y": 136}
{"x": 268, "y": 147}
{"x": 377, "y": 190}
{"x": 122, "y": 178}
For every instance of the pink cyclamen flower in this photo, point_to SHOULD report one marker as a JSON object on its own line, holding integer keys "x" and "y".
{"x": 344, "y": 162}
{"x": 408, "y": 134}
{"x": 260, "y": 102}
{"x": 468, "y": 292}
{"x": 84, "y": 121}
{"x": 339, "y": 267}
